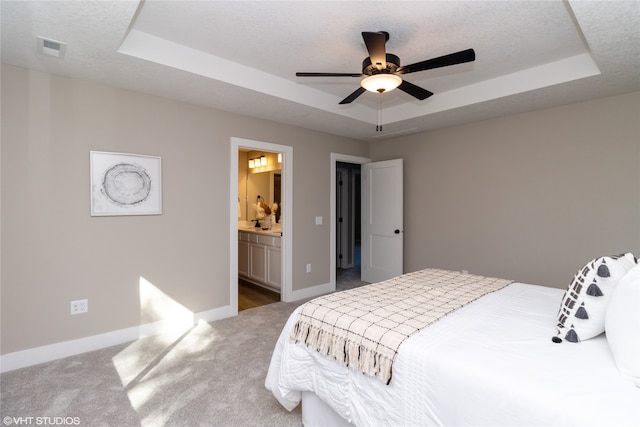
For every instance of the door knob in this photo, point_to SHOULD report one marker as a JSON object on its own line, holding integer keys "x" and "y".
{"x": 397, "y": 231}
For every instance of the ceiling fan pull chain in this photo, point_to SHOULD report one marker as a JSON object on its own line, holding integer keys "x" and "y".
{"x": 379, "y": 125}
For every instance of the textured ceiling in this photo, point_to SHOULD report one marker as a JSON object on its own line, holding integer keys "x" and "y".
{"x": 241, "y": 56}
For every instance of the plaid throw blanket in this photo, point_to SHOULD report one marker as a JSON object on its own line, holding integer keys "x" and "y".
{"x": 363, "y": 327}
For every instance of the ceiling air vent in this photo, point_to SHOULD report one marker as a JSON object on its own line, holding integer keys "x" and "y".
{"x": 51, "y": 47}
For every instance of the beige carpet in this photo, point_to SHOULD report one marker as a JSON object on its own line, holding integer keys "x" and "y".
{"x": 212, "y": 375}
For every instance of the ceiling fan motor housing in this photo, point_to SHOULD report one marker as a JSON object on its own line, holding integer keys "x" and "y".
{"x": 369, "y": 69}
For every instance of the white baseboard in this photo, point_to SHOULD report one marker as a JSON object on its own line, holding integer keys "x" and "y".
{"x": 313, "y": 291}
{"x": 47, "y": 353}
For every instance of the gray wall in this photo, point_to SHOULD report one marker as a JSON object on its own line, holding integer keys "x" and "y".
{"x": 54, "y": 252}
{"x": 531, "y": 197}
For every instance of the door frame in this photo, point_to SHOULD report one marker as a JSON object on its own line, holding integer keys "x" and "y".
{"x": 342, "y": 204}
{"x": 335, "y": 158}
{"x": 286, "y": 266}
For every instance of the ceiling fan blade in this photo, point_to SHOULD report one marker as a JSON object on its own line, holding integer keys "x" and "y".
{"x": 415, "y": 91}
{"x": 353, "y": 96}
{"x": 441, "y": 61}
{"x": 375, "y": 45}
{"x": 328, "y": 75}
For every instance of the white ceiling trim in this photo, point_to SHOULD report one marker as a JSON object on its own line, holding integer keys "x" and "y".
{"x": 553, "y": 73}
{"x": 160, "y": 51}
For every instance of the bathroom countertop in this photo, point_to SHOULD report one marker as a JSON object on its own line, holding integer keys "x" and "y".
{"x": 277, "y": 232}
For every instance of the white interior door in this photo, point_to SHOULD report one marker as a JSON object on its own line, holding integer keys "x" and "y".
{"x": 382, "y": 228}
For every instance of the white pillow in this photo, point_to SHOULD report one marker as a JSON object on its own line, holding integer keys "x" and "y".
{"x": 622, "y": 324}
{"x": 584, "y": 304}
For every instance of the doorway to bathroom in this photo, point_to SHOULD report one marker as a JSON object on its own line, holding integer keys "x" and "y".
{"x": 259, "y": 227}
{"x": 264, "y": 253}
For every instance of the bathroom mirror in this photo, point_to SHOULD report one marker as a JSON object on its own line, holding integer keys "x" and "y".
{"x": 263, "y": 180}
{"x": 267, "y": 186}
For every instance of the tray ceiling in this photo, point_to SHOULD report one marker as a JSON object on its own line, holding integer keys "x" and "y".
{"x": 241, "y": 56}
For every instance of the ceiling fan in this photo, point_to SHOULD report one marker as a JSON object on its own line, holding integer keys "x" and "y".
{"x": 382, "y": 70}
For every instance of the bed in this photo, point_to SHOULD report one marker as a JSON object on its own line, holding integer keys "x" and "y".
{"x": 489, "y": 362}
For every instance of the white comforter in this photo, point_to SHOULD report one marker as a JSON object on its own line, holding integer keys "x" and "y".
{"x": 490, "y": 363}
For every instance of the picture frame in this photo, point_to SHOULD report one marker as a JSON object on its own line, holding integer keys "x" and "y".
{"x": 125, "y": 184}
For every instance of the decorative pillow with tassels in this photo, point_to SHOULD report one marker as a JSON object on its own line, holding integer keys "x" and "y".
{"x": 584, "y": 304}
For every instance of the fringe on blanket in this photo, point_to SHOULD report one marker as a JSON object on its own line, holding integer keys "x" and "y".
{"x": 344, "y": 351}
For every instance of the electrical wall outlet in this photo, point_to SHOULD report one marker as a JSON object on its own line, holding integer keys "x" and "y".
{"x": 318, "y": 220}
{"x": 79, "y": 306}
{"x": 308, "y": 268}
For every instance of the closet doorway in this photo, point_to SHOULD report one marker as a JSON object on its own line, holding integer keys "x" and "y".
{"x": 348, "y": 225}
{"x": 346, "y": 220}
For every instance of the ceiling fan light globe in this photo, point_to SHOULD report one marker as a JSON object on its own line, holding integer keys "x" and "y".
{"x": 379, "y": 83}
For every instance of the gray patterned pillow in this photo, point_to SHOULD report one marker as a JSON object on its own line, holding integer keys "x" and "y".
{"x": 584, "y": 304}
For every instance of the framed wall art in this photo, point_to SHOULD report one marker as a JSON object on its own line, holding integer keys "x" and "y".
{"x": 125, "y": 184}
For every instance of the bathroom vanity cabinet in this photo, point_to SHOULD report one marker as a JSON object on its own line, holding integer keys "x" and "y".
{"x": 259, "y": 258}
